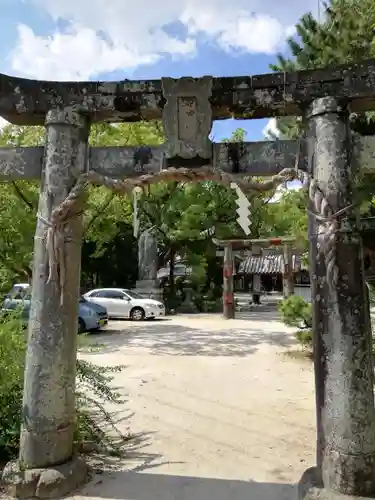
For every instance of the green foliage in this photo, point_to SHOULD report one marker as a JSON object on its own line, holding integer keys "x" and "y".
{"x": 238, "y": 135}
{"x": 345, "y": 34}
{"x": 107, "y": 220}
{"x": 288, "y": 217}
{"x": 12, "y": 347}
{"x": 297, "y": 312}
{"x": 94, "y": 390}
{"x": 95, "y": 423}
{"x": 304, "y": 337}
{"x": 186, "y": 217}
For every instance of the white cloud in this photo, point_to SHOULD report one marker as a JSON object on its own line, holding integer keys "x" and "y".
{"x": 271, "y": 131}
{"x": 106, "y": 35}
{"x": 290, "y": 186}
{"x": 3, "y": 123}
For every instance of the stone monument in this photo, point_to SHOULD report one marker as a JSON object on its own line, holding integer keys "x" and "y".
{"x": 148, "y": 265}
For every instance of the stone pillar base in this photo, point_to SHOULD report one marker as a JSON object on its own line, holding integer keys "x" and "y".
{"x": 149, "y": 289}
{"x": 51, "y": 482}
{"x": 310, "y": 487}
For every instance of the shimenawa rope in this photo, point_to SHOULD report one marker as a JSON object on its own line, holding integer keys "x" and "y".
{"x": 328, "y": 223}
{"x": 56, "y": 237}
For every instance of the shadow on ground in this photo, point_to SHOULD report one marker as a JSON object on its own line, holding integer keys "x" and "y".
{"x": 135, "y": 454}
{"x": 131, "y": 485}
{"x": 168, "y": 338}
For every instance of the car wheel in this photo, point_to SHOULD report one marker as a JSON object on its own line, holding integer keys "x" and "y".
{"x": 81, "y": 326}
{"x": 137, "y": 314}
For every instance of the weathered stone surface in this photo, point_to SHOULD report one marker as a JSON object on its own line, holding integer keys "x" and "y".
{"x": 342, "y": 340}
{"x": 187, "y": 120}
{"x": 250, "y": 158}
{"x": 261, "y": 158}
{"x": 264, "y": 158}
{"x": 48, "y": 416}
{"x": 147, "y": 256}
{"x": 364, "y": 153}
{"x": 311, "y": 487}
{"x": 118, "y": 162}
{"x": 53, "y": 482}
{"x": 21, "y": 163}
{"x": 26, "y": 102}
{"x": 342, "y": 335}
{"x": 149, "y": 289}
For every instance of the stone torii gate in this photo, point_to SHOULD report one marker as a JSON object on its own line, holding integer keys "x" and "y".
{"x": 187, "y": 106}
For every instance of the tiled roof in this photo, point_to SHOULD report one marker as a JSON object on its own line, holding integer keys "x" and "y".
{"x": 267, "y": 264}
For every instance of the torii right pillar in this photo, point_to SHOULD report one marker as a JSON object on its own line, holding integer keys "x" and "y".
{"x": 341, "y": 324}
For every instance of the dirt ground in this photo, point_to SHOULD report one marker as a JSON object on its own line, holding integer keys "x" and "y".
{"x": 220, "y": 411}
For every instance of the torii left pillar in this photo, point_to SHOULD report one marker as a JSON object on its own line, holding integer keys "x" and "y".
{"x": 46, "y": 467}
{"x": 228, "y": 284}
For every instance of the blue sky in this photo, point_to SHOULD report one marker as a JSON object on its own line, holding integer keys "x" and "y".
{"x": 117, "y": 39}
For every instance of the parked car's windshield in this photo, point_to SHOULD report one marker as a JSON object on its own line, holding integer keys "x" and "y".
{"x": 19, "y": 295}
{"x": 133, "y": 295}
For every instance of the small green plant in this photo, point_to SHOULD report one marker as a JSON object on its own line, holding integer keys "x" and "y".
{"x": 95, "y": 425}
{"x": 297, "y": 312}
{"x": 304, "y": 337}
{"x": 12, "y": 356}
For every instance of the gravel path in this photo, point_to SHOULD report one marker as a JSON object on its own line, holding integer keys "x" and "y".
{"x": 221, "y": 412}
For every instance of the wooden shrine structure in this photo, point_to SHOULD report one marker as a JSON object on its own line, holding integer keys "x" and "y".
{"x": 329, "y": 152}
{"x": 255, "y": 246}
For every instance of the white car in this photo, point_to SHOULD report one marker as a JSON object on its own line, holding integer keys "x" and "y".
{"x": 122, "y": 303}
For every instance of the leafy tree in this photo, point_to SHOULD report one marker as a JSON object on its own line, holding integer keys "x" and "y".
{"x": 107, "y": 216}
{"x": 288, "y": 216}
{"x": 186, "y": 216}
{"x": 296, "y": 312}
{"x": 345, "y": 34}
{"x": 238, "y": 135}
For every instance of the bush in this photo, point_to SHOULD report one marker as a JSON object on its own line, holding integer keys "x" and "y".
{"x": 213, "y": 306}
{"x": 12, "y": 356}
{"x": 304, "y": 337}
{"x": 297, "y": 312}
{"x": 94, "y": 423}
